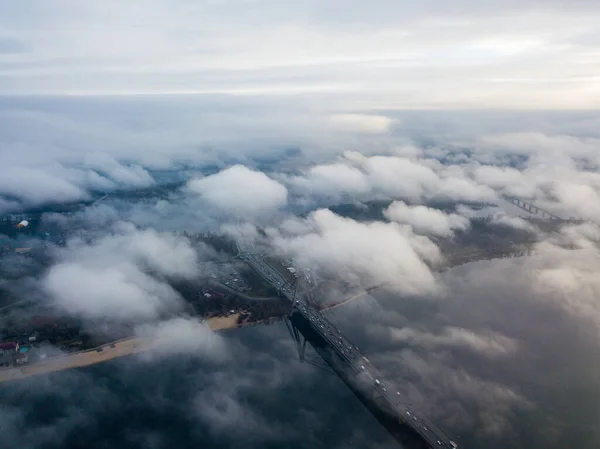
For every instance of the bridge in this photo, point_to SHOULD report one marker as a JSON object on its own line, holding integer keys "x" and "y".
{"x": 532, "y": 208}
{"x": 408, "y": 427}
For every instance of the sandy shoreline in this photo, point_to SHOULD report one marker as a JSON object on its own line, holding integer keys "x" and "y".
{"x": 109, "y": 351}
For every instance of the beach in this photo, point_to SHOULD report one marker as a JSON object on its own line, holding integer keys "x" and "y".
{"x": 109, "y": 351}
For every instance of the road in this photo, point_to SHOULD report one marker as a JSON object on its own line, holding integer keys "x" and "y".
{"x": 349, "y": 353}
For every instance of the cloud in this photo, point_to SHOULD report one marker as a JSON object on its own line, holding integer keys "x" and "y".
{"x": 362, "y": 122}
{"x": 34, "y": 178}
{"x": 179, "y": 336}
{"x": 34, "y": 186}
{"x": 61, "y": 149}
{"x": 332, "y": 181}
{"x": 121, "y": 292}
{"x": 389, "y": 176}
{"x": 425, "y": 219}
{"x": 576, "y": 195}
{"x": 483, "y": 405}
{"x": 133, "y": 175}
{"x": 585, "y": 236}
{"x": 120, "y": 276}
{"x": 396, "y": 176}
{"x": 507, "y": 180}
{"x": 513, "y": 222}
{"x": 543, "y": 145}
{"x": 490, "y": 344}
{"x": 164, "y": 253}
{"x": 464, "y": 189}
{"x": 567, "y": 277}
{"x": 379, "y": 59}
{"x": 240, "y": 191}
{"x": 558, "y": 171}
{"x": 374, "y": 252}
{"x": 502, "y": 214}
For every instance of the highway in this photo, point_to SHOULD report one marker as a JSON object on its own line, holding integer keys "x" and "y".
{"x": 362, "y": 368}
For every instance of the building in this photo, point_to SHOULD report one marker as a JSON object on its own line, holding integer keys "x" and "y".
{"x": 9, "y": 348}
{"x": 8, "y": 351}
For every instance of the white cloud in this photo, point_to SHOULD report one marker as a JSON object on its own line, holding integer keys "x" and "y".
{"x": 513, "y": 222}
{"x": 332, "y": 180}
{"x": 577, "y": 197}
{"x": 584, "y": 235}
{"x": 463, "y": 189}
{"x": 488, "y": 343}
{"x": 41, "y": 175}
{"x": 240, "y": 191}
{"x": 120, "y": 276}
{"x": 507, "y": 180}
{"x": 397, "y": 176}
{"x": 426, "y": 219}
{"x": 369, "y": 252}
{"x": 36, "y": 186}
{"x": 179, "y": 336}
{"x": 368, "y": 177}
{"x": 119, "y": 292}
{"x": 134, "y": 175}
{"x": 362, "y": 122}
{"x": 546, "y": 146}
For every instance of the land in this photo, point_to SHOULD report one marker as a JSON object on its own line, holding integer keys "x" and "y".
{"x": 226, "y": 294}
{"x": 229, "y": 294}
{"x": 103, "y": 353}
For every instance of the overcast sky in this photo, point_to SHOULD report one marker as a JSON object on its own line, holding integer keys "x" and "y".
{"x": 528, "y": 54}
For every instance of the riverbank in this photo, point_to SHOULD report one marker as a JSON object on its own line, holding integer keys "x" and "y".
{"x": 109, "y": 351}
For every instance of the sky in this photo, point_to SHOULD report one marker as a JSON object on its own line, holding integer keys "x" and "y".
{"x": 359, "y": 55}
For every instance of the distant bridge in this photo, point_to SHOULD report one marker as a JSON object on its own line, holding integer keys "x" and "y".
{"x": 532, "y": 208}
{"x": 412, "y": 430}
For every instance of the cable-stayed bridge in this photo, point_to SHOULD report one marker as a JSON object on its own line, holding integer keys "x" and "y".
{"x": 307, "y": 324}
